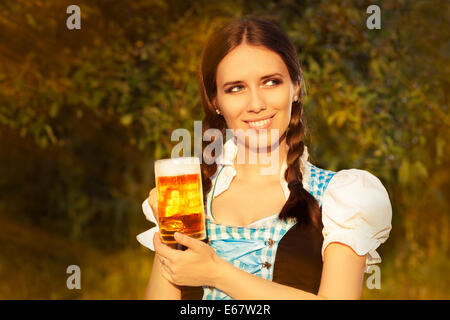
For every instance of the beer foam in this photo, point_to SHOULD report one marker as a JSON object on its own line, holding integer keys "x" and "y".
{"x": 177, "y": 166}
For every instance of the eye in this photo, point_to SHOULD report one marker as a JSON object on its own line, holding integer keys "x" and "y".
{"x": 229, "y": 90}
{"x": 276, "y": 81}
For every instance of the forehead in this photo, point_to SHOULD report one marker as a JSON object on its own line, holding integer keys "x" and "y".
{"x": 247, "y": 62}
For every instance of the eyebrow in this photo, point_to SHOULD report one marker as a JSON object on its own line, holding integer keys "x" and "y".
{"x": 262, "y": 78}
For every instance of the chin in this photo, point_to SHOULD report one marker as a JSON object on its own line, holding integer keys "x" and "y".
{"x": 258, "y": 140}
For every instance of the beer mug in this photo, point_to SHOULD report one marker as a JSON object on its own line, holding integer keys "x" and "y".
{"x": 180, "y": 198}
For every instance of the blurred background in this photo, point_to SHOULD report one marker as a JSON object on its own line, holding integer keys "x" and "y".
{"x": 84, "y": 113}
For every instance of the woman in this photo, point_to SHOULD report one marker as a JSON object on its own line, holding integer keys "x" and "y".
{"x": 300, "y": 232}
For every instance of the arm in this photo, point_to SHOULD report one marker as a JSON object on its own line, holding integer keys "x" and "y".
{"x": 342, "y": 276}
{"x": 158, "y": 287}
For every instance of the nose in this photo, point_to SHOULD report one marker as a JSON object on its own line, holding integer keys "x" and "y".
{"x": 257, "y": 102}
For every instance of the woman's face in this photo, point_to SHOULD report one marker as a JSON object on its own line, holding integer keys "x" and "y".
{"x": 255, "y": 92}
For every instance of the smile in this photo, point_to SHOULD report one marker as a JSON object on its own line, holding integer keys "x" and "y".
{"x": 261, "y": 124}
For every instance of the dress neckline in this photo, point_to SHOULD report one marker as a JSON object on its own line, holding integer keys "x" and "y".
{"x": 226, "y": 159}
{"x": 250, "y": 225}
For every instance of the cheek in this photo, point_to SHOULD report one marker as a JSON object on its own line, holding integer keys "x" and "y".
{"x": 279, "y": 98}
{"x": 232, "y": 109}
{"x": 283, "y": 120}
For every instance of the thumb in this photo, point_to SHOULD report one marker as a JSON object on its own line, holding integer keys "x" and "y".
{"x": 187, "y": 241}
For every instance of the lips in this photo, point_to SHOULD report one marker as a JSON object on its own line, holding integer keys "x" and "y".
{"x": 261, "y": 123}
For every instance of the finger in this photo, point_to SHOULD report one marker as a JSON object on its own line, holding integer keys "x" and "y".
{"x": 160, "y": 259}
{"x": 187, "y": 241}
{"x": 165, "y": 263}
{"x": 162, "y": 249}
{"x": 153, "y": 201}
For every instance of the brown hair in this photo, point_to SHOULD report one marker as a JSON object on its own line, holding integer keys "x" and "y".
{"x": 259, "y": 32}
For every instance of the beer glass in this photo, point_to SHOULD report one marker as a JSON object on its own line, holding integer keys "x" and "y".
{"x": 180, "y": 198}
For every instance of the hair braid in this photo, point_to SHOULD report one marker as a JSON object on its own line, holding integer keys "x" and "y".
{"x": 301, "y": 204}
{"x": 210, "y": 121}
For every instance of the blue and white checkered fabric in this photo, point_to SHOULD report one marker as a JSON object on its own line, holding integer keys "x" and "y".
{"x": 253, "y": 249}
{"x": 318, "y": 181}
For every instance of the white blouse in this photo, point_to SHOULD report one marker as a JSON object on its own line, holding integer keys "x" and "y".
{"x": 356, "y": 209}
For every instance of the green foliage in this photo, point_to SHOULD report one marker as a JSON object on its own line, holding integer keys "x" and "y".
{"x": 84, "y": 113}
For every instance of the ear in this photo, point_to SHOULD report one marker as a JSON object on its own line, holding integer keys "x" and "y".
{"x": 297, "y": 88}
{"x": 214, "y": 104}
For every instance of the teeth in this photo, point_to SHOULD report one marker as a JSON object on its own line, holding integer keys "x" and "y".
{"x": 261, "y": 123}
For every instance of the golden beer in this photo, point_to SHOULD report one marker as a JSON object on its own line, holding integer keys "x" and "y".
{"x": 180, "y": 198}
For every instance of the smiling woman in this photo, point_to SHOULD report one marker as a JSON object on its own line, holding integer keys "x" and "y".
{"x": 301, "y": 232}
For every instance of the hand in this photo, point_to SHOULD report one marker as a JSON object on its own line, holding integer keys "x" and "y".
{"x": 153, "y": 202}
{"x": 197, "y": 266}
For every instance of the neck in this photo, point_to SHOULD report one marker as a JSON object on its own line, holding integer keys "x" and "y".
{"x": 254, "y": 164}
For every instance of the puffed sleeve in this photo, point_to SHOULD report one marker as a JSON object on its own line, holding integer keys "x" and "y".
{"x": 146, "y": 238}
{"x": 356, "y": 211}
